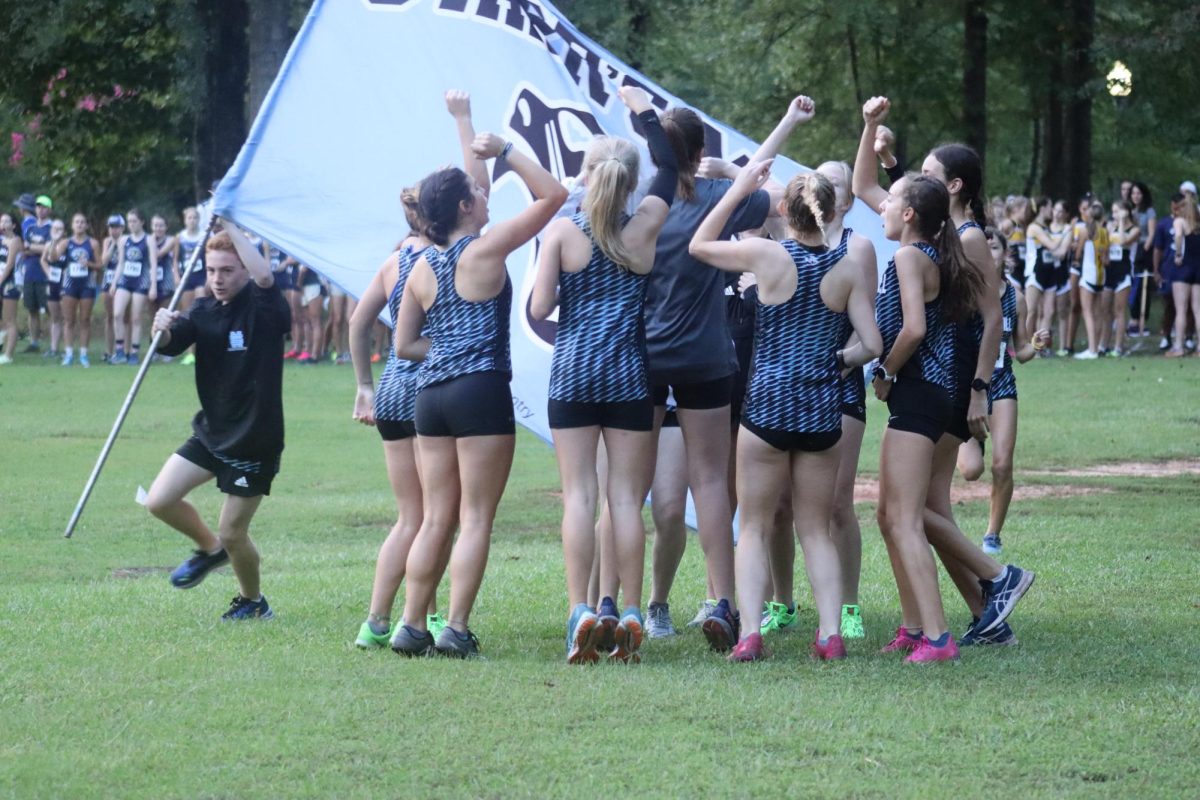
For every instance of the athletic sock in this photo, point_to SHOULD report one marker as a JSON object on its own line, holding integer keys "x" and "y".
{"x": 379, "y": 628}
{"x": 913, "y": 633}
{"x": 1003, "y": 574}
{"x": 941, "y": 641}
{"x": 214, "y": 552}
{"x": 118, "y": 344}
{"x": 68, "y": 351}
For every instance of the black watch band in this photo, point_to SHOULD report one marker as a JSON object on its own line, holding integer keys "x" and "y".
{"x": 980, "y": 385}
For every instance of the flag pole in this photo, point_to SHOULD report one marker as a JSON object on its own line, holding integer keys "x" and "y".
{"x": 133, "y": 390}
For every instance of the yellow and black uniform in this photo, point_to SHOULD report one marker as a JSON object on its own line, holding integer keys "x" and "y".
{"x": 1095, "y": 250}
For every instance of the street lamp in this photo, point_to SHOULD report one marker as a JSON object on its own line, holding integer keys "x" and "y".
{"x": 1120, "y": 80}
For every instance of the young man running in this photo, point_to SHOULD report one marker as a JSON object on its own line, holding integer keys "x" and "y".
{"x": 237, "y": 438}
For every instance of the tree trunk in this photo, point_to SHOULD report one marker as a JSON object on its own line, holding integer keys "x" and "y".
{"x": 1078, "y": 87}
{"x": 1054, "y": 182}
{"x": 975, "y": 62}
{"x": 1035, "y": 153}
{"x": 270, "y": 36}
{"x": 221, "y": 120}
{"x": 853, "y": 45}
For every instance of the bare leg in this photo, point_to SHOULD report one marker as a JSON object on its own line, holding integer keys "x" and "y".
{"x": 109, "y": 324}
{"x": 483, "y": 466}
{"x": 1120, "y": 307}
{"x": 970, "y": 460}
{"x": 844, "y": 527}
{"x": 631, "y": 457}
{"x": 576, "y": 452}
{"x": 1090, "y": 321}
{"x": 120, "y": 309}
{"x": 68, "y": 311}
{"x": 137, "y": 309}
{"x": 166, "y": 500}
{"x": 10, "y": 325}
{"x": 1062, "y": 305}
{"x": 1033, "y": 300}
{"x": 814, "y": 476}
{"x": 401, "y": 459}
{"x": 781, "y": 551}
{"x": 669, "y": 493}
{"x": 706, "y": 433}
{"x": 905, "y": 463}
{"x": 1182, "y": 294}
{"x": 1004, "y": 443}
{"x": 941, "y": 529}
{"x": 56, "y": 324}
{"x": 236, "y": 514}
{"x": 84, "y": 335}
{"x": 763, "y": 475}
{"x": 438, "y": 461}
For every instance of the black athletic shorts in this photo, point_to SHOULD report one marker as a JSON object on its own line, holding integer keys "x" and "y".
{"x": 670, "y": 419}
{"x": 788, "y": 441}
{"x": 477, "y": 404}
{"x": 854, "y": 395}
{"x": 957, "y": 425}
{"x": 632, "y": 415}
{"x": 918, "y": 406}
{"x": 236, "y": 477}
{"x": 696, "y": 396}
{"x": 35, "y": 296}
{"x": 391, "y": 430}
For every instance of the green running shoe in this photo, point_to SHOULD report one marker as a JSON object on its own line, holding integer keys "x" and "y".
{"x": 368, "y": 640}
{"x": 435, "y": 623}
{"x": 776, "y": 617}
{"x": 852, "y": 627}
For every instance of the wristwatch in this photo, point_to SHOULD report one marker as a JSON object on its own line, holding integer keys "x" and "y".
{"x": 979, "y": 385}
{"x": 882, "y": 374}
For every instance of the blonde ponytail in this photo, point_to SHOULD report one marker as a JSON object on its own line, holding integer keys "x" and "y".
{"x": 611, "y": 166}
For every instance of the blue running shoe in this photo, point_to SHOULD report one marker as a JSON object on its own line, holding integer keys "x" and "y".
{"x": 991, "y": 544}
{"x": 132, "y": 359}
{"x": 241, "y": 608}
{"x": 607, "y": 639}
{"x": 408, "y": 641}
{"x": 722, "y": 628}
{"x": 453, "y": 644}
{"x": 1001, "y": 596}
{"x": 193, "y": 571}
{"x": 118, "y": 357}
{"x": 582, "y": 633}
{"x": 1002, "y": 634}
{"x": 83, "y": 360}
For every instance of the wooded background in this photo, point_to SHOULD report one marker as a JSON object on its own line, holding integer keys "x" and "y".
{"x": 109, "y": 103}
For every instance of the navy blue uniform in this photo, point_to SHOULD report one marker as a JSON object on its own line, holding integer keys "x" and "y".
{"x": 79, "y": 281}
{"x": 795, "y": 395}
{"x": 134, "y": 275}
{"x": 165, "y": 272}
{"x": 1004, "y": 382}
{"x": 396, "y": 397}
{"x": 110, "y": 269}
{"x": 10, "y": 290}
{"x": 56, "y": 269}
{"x": 187, "y": 245}
{"x": 919, "y": 401}
{"x": 285, "y": 278}
{"x": 33, "y": 233}
{"x": 598, "y": 372}
{"x": 462, "y": 385}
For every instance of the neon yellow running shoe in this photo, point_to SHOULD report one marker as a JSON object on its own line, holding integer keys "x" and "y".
{"x": 852, "y": 627}
{"x": 776, "y": 617}
{"x": 435, "y": 623}
{"x": 369, "y": 640}
{"x": 188, "y": 360}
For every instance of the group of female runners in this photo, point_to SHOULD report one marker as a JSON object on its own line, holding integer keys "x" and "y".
{"x": 1100, "y": 264}
{"x": 641, "y": 292}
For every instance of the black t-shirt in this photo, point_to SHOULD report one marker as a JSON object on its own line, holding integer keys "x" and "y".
{"x": 239, "y": 370}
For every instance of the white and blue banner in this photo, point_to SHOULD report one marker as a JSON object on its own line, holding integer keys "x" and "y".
{"x": 357, "y": 113}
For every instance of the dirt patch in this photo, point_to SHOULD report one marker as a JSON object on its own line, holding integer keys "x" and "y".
{"x": 866, "y": 490}
{"x": 1129, "y": 469}
{"x": 139, "y": 572}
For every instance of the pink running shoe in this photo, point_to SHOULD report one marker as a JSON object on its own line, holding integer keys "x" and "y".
{"x": 903, "y": 643}
{"x": 832, "y": 650}
{"x": 749, "y": 649}
{"x": 927, "y": 653}
{"x": 291, "y": 353}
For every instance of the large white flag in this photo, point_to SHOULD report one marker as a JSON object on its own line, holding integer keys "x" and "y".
{"x": 357, "y": 112}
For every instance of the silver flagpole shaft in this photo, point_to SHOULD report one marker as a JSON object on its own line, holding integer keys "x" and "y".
{"x": 133, "y": 390}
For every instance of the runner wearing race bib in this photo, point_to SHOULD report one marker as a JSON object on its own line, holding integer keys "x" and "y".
{"x": 10, "y": 292}
{"x": 80, "y": 253}
{"x": 136, "y": 284}
{"x": 108, "y": 257}
{"x": 1124, "y": 239}
{"x": 53, "y": 268}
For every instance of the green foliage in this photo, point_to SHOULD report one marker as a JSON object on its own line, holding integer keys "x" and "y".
{"x": 104, "y": 93}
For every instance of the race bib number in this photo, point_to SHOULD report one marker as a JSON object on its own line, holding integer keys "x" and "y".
{"x": 77, "y": 270}
{"x": 54, "y": 274}
{"x": 1021, "y": 252}
{"x": 1008, "y": 326}
{"x": 1116, "y": 252}
{"x": 133, "y": 269}
{"x": 158, "y": 274}
{"x": 1047, "y": 257}
{"x": 109, "y": 274}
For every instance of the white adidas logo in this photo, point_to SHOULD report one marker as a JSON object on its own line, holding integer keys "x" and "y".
{"x": 242, "y": 482}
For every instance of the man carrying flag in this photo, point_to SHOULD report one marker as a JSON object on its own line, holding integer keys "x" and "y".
{"x": 237, "y": 438}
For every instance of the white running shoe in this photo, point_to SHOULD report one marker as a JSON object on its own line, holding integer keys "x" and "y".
{"x": 705, "y": 609}
{"x": 1086, "y": 355}
{"x": 5, "y": 359}
{"x": 658, "y": 621}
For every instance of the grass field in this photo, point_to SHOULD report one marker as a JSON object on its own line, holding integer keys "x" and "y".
{"x": 114, "y": 685}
